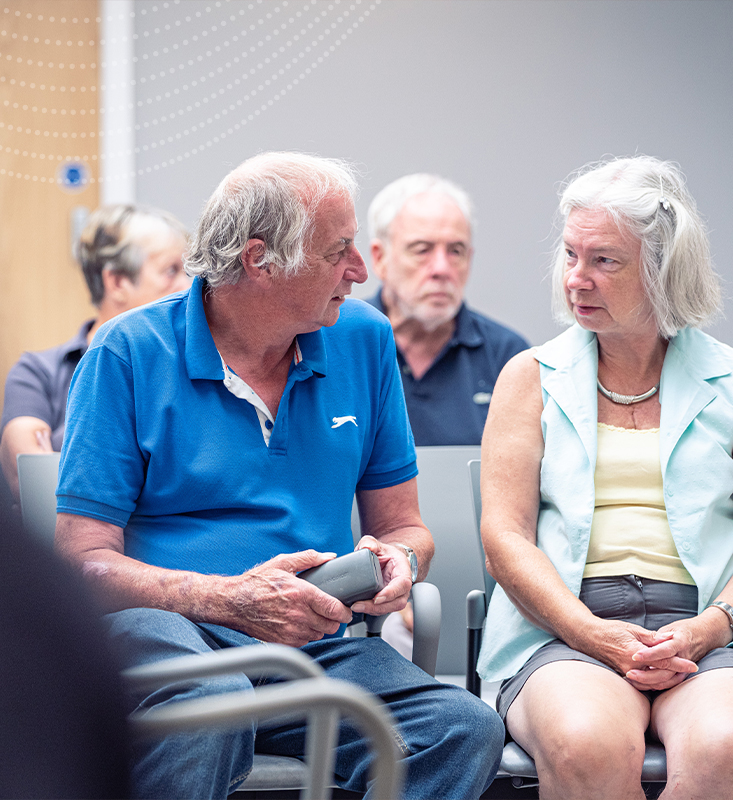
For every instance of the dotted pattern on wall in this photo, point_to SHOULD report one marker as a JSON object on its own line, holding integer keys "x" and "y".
{"x": 47, "y": 77}
{"x": 48, "y": 91}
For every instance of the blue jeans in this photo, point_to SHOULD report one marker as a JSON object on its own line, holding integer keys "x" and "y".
{"x": 451, "y": 741}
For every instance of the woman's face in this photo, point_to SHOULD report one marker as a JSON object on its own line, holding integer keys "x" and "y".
{"x": 602, "y": 278}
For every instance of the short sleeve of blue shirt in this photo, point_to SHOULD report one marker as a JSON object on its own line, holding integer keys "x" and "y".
{"x": 156, "y": 444}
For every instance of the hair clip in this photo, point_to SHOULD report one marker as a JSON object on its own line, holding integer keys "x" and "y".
{"x": 662, "y": 199}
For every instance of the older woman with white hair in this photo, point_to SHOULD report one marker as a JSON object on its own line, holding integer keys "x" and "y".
{"x": 608, "y": 521}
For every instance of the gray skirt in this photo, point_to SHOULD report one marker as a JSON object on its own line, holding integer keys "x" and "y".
{"x": 642, "y": 601}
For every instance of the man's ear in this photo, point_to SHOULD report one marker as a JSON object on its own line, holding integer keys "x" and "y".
{"x": 379, "y": 258}
{"x": 251, "y": 255}
{"x": 116, "y": 287}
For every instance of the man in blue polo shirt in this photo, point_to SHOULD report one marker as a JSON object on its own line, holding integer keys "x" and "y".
{"x": 215, "y": 443}
{"x": 449, "y": 356}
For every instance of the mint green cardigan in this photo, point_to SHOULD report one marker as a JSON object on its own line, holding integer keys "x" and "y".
{"x": 696, "y": 443}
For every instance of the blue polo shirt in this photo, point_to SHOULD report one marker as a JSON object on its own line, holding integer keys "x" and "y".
{"x": 449, "y": 404}
{"x": 156, "y": 444}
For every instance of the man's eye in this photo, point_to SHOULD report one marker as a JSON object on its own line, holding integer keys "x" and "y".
{"x": 334, "y": 258}
{"x": 570, "y": 255}
{"x": 606, "y": 260}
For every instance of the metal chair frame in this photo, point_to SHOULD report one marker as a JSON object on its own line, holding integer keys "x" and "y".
{"x": 310, "y": 695}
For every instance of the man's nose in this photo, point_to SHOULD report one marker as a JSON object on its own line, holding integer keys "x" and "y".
{"x": 357, "y": 269}
{"x": 440, "y": 263}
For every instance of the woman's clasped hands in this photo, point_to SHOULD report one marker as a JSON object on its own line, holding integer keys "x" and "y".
{"x": 653, "y": 660}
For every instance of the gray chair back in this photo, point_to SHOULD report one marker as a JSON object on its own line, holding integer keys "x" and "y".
{"x": 457, "y": 567}
{"x": 38, "y": 477}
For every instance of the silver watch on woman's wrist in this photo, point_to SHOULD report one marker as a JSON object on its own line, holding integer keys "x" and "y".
{"x": 411, "y": 557}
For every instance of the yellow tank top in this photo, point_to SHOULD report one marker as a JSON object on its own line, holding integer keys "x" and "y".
{"x": 630, "y": 533}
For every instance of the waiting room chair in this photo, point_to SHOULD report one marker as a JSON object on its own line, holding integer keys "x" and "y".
{"x": 309, "y": 695}
{"x": 515, "y": 762}
{"x": 38, "y": 478}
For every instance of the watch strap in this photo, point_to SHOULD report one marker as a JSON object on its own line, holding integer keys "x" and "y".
{"x": 411, "y": 557}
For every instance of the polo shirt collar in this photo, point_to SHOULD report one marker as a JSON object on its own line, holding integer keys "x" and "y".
{"x": 202, "y": 357}
{"x": 78, "y": 345}
{"x": 466, "y": 332}
{"x": 313, "y": 349}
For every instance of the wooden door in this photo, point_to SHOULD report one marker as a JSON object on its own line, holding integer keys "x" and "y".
{"x": 49, "y": 166}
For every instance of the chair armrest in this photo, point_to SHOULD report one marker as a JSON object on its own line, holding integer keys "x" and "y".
{"x": 475, "y": 618}
{"x": 314, "y": 699}
{"x": 475, "y": 610}
{"x": 267, "y": 660}
{"x": 426, "y": 634}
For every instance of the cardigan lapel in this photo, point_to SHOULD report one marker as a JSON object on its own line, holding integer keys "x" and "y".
{"x": 684, "y": 390}
{"x": 573, "y": 360}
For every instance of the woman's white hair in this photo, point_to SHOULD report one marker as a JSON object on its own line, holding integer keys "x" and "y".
{"x": 273, "y": 197}
{"x": 391, "y": 200}
{"x": 648, "y": 198}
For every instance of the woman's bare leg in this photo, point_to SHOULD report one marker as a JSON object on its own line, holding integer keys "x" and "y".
{"x": 584, "y": 726}
{"x": 694, "y": 722}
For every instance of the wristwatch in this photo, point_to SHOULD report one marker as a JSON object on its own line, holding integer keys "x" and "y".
{"x": 411, "y": 557}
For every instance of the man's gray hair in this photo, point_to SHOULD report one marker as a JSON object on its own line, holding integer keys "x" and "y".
{"x": 119, "y": 238}
{"x": 649, "y": 199}
{"x": 272, "y": 197}
{"x": 391, "y": 200}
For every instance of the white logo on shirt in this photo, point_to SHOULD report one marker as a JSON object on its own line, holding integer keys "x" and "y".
{"x": 339, "y": 421}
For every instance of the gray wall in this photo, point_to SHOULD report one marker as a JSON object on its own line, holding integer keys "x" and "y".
{"x": 505, "y": 97}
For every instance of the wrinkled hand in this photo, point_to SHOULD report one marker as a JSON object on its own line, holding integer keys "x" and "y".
{"x": 397, "y": 578}
{"x": 647, "y": 659}
{"x": 276, "y": 606}
{"x": 686, "y": 640}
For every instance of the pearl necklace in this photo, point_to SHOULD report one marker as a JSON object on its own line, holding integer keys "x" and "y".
{"x": 626, "y": 399}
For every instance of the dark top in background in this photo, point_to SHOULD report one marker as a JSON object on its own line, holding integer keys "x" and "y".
{"x": 449, "y": 404}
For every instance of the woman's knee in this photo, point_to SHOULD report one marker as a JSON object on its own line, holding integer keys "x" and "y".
{"x": 587, "y": 750}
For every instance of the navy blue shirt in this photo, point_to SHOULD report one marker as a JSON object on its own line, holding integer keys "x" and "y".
{"x": 449, "y": 404}
{"x": 38, "y": 384}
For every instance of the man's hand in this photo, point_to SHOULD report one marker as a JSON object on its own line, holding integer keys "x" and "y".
{"x": 397, "y": 578}
{"x": 276, "y": 606}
